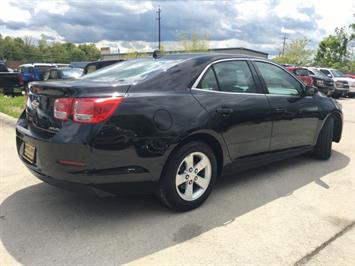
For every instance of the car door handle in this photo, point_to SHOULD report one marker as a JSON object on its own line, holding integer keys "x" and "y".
{"x": 225, "y": 111}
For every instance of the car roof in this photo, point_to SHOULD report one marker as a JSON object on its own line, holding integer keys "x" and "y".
{"x": 209, "y": 56}
{"x": 295, "y": 67}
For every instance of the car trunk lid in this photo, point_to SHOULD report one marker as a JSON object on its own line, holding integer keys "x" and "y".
{"x": 42, "y": 95}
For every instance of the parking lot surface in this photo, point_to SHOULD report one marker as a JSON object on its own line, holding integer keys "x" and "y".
{"x": 299, "y": 211}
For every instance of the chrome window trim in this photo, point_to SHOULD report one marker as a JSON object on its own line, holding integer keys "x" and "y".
{"x": 227, "y": 92}
{"x": 197, "y": 81}
{"x": 249, "y": 93}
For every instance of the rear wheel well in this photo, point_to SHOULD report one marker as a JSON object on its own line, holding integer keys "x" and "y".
{"x": 337, "y": 127}
{"x": 209, "y": 140}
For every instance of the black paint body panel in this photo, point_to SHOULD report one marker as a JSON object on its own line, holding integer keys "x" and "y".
{"x": 155, "y": 117}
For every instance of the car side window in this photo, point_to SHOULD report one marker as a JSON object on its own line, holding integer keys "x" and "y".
{"x": 235, "y": 76}
{"x": 53, "y": 74}
{"x": 326, "y": 72}
{"x": 278, "y": 81}
{"x": 209, "y": 82}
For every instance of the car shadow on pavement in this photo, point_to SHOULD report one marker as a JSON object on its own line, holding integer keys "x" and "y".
{"x": 43, "y": 225}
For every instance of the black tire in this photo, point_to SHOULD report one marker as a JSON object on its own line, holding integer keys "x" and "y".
{"x": 323, "y": 148}
{"x": 167, "y": 190}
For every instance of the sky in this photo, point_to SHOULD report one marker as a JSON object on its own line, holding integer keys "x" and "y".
{"x": 132, "y": 25}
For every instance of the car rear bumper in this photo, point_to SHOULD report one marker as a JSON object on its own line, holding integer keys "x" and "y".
{"x": 102, "y": 168}
{"x": 121, "y": 189}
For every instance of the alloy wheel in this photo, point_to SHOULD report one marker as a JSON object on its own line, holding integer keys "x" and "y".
{"x": 193, "y": 176}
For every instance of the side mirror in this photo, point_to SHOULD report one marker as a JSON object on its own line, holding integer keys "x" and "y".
{"x": 329, "y": 76}
{"x": 310, "y": 91}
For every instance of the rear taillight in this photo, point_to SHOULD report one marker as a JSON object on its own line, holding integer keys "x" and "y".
{"x": 86, "y": 110}
{"x": 62, "y": 108}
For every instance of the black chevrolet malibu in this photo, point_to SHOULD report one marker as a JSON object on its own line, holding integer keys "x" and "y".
{"x": 172, "y": 125}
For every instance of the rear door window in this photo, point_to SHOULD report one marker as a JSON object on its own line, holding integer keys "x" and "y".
{"x": 235, "y": 76}
{"x": 209, "y": 82}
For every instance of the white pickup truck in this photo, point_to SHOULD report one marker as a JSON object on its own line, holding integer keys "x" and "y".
{"x": 343, "y": 85}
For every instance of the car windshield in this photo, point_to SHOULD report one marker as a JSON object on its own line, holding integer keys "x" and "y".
{"x": 132, "y": 70}
{"x": 337, "y": 73}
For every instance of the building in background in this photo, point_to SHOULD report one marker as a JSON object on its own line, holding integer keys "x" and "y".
{"x": 236, "y": 50}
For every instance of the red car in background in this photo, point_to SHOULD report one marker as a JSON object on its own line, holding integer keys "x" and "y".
{"x": 350, "y": 75}
{"x": 302, "y": 74}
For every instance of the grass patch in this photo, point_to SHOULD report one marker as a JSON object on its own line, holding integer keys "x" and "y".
{"x": 12, "y": 106}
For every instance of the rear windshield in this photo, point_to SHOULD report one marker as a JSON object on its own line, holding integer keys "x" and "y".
{"x": 132, "y": 70}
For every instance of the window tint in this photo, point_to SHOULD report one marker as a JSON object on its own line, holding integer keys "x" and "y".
{"x": 132, "y": 70}
{"x": 325, "y": 71}
{"x": 209, "y": 81}
{"x": 278, "y": 81}
{"x": 301, "y": 72}
{"x": 337, "y": 73}
{"x": 53, "y": 74}
{"x": 235, "y": 76}
{"x": 315, "y": 71}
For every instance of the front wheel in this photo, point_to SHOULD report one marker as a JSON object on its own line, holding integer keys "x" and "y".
{"x": 188, "y": 177}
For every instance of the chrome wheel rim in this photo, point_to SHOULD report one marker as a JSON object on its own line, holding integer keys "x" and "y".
{"x": 193, "y": 176}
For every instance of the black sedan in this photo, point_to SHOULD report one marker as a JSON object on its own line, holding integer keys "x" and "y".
{"x": 172, "y": 125}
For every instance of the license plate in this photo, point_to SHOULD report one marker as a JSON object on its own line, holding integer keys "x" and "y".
{"x": 29, "y": 152}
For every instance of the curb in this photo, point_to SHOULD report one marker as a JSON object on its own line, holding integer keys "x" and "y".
{"x": 7, "y": 120}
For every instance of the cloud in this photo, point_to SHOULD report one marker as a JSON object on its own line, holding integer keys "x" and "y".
{"x": 257, "y": 24}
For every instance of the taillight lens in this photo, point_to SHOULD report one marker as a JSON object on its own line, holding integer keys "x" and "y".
{"x": 86, "y": 110}
{"x": 62, "y": 108}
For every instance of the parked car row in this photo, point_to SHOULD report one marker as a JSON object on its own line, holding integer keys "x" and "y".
{"x": 13, "y": 82}
{"x": 329, "y": 81}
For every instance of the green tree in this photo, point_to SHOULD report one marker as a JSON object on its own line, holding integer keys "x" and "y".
{"x": 296, "y": 53}
{"x": 195, "y": 43}
{"x": 352, "y": 27}
{"x": 26, "y": 49}
{"x": 333, "y": 50}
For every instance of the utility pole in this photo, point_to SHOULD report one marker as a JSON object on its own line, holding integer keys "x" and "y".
{"x": 284, "y": 43}
{"x": 158, "y": 18}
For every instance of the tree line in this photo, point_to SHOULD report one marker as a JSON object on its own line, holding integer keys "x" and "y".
{"x": 335, "y": 51}
{"x": 25, "y": 49}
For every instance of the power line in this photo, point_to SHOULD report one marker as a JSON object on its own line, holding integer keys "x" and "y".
{"x": 158, "y": 18}
{"x": 284, "y": 44}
